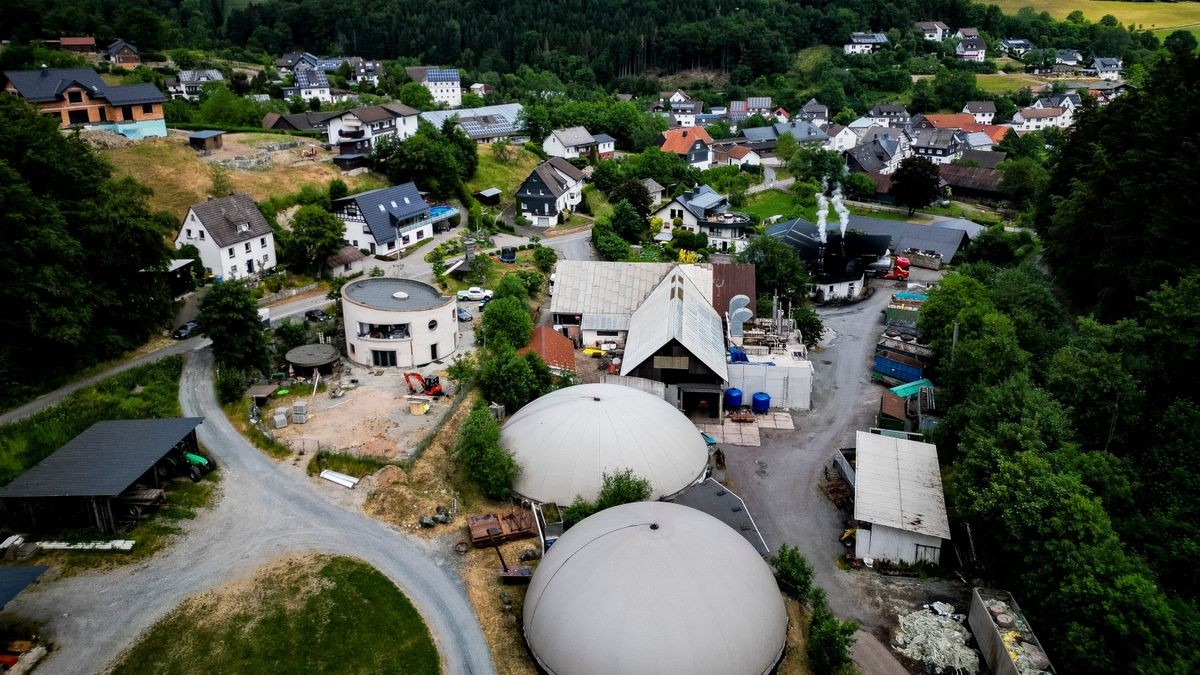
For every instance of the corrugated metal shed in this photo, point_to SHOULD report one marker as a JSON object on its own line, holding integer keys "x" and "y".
{"x": 676, "y": 310}
{"x": 103, "y": 460}
{"x": 591, "y": 287}
{"x": 899, "y": 485}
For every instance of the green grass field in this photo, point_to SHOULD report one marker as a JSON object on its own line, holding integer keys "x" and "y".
{"x": 1164, "y": 16}
{"x": 507, "y": 176}
{"x": 771, "y": 203}
{"x": 321, "y": 615}
{"x": 1002, "y": 84}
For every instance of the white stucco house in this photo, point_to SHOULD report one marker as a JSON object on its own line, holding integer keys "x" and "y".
{"x": 841, "y": 138}
{"x": 386, "y": 220}
{"x": 443, "y": 83}
{"x": 357, "y": 130}
{"x": 984, "y": 112}
{"x": 864, "y": 43}
{"x": 398, "y": 323}
{"x": 232, "y": 236}
{"x": 309, "y": 83}
{"x": 569, "y": 143}
{"x": 703, "y": 210}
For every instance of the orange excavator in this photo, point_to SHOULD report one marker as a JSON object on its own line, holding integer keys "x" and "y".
{"x": 430, "y": 385}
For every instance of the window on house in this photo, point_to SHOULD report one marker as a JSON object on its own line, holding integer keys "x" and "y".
{"x": 266, "y": 258}
{"x": 262, "y": 242}
{"x": 230, "y": 251}
{"x": 247, "y": 247}
{"x": 77, "y": 116}
{"x": 147, "y": 108}
{"x": 233, "y": 271}
{"x": 188, "y": 233}
{"x": 201, "y": 233}
{"x": 127, "y": 113}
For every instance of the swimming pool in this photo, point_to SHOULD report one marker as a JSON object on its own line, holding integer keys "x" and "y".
{"x": 436, "y": 211}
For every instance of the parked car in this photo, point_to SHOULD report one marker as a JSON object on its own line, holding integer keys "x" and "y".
{"x": 464, "y": 315}
{"x": 316, "y": 315}
{"x": 483, "y": 304}
{"x": 187, "y": 330}
{"x": 474, "y": 293}
{"x": 508, "y": 254}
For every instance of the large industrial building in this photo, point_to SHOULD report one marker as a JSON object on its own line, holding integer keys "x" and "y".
{"x": 398, "y": 322}
{"x": 568, "y": 439}
{"x": 653, "y": 587}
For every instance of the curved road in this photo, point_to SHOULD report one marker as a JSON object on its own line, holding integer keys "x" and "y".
{"x": 263, "y": 513}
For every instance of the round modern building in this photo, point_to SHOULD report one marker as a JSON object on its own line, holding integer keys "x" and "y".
{"x": 568, "y": 439}
{"x": 654, "y": 587}
{"x": 398, "y": 322}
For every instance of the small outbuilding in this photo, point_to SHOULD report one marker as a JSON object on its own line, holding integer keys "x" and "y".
{"x": 653, "y": 587}
{"x": 80, "y": 483}
{"x": 489, "y": 196}
{"x": 207, "y": 140}
{"x": 898, "y": 500}
{"x": 307, "y": 358}
{"x": 568, "y": 439}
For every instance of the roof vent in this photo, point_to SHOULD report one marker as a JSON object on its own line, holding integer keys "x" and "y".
{"x": 400, "y": 295}
{"x": 654, "y": 526}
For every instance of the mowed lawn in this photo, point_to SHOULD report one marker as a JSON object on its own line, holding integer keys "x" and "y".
{"x": 1148, "y": 15}
{"x": 506, "y": 175}
{"x": 997, "y": 83}
{"x": 179, "y": 178}
{"x": 772, "y": 203}
{"x": 318, "y": 614}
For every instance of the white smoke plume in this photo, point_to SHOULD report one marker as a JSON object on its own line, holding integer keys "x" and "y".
{"x": 842, "y": 212}
{"x": 822, "y": 214}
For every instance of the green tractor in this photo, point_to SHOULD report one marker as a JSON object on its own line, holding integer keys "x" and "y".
{"x": 192, "y": 465}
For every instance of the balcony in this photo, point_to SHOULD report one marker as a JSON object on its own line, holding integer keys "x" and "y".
{"x": 351, "y": 133}
{"x": 727, "y": 219}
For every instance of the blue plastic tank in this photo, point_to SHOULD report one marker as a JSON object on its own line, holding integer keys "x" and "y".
{"x": 760, "y": 402}
{"x": 733, "y": 398}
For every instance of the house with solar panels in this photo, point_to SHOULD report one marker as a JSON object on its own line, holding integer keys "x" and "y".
{"x": 487, "y": 124}
{"x": 309, "y": 83}
{"x": 389, "y": 220}
{"x": 443, "y": 83}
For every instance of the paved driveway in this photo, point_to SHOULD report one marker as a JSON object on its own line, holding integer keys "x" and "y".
{"x": 263, "y": 513}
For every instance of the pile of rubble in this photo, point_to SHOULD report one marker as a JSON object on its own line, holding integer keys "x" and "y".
{"x": 103, "y": 140}
{"x": 936, "y": 636}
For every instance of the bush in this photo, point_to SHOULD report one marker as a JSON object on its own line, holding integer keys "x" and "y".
{"x": 485, "y": 462}
{"x": 793, "y": 571}
{"x": 507, "y": 321}
{"x": 829, "y": 639}
{"x": 511, "y": 286}
{"x": 232, "y": 384}
{"x": 622, "y": 487}
{"x": 545, "y": 258}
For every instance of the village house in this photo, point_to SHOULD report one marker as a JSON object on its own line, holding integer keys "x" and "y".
{"x": 889, "y": 114}
{"x": 480, "y": 89}
{"x": 940, "y": 146}
{"x": 983, "y": 111}
{"x": 1068, "y": 57}
{"x": 880, "y": 151}
{"x": 190, "y": 83}
{"x": 77, "y": 97}
{"x": 487, "y": 124}
{"x": 366, "y": 72}
{"x": 841, "y": 138}
{"x": 443, "y": 83}
{"x": 703, "y": 210}
{"x": 1036, "y": 119}
{"x": 817, "y": 113}
{"x": 305, "y": 121}
{"x": 123, "y": 54}
{"x": 385, "y": 221}
{"x": 232, "y": 236}
{"x": 763, "y": 139}
{"x": 736, "y": 155}
{"x": 570, "y": 143}
{"x": 684, "y": 114}
{"x": 309, "y": 83}
{"x": 971, "y": 49}
{"x": 964, "y": 33}
{"x": 1107, "y": 68}
{"x": 1016, "y": 47}
{"x": 864, "y": 43}
{"x": 657, "y": 192}
{"x": 933, "y": 30}
{"x": 357, "y": 131}
{"x": 693, "y": 144}
{"x": 550, "y": 193}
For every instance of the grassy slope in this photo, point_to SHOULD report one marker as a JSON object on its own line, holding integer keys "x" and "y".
{"x": 507, "y": 176}
{"x": 333, "y": 615}
{"x": 1148, "y": 15}
{"x": 1001, "y": 84}
{"x": 179, "y": 179}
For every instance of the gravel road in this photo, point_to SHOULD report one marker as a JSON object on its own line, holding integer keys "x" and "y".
{"x": 263, "y": 513}
{"x": 780, "y": 480}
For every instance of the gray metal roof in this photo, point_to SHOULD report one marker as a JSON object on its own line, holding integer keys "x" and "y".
{"x": 232, "y": 220}
{"x": 654, "y": 587}
{"x": 604, "y": 322}
{"x": 382, "y": 293}
{"x": 386, "y": 208}
{"x": 573, "y": 136}
{"x": 102, "y": 461}
{"x": 604, "y": 138}
{"x": 802, "y": 130}
{"x": 13, "y": 580}
{"x": 945, "y": 240}
{"x": 652, "y": 185}
{"x": 677, "y": 309}
{"x": 898, "y": 484}
{"x": 207, "y": 133}
{"x": 726, "y": 506}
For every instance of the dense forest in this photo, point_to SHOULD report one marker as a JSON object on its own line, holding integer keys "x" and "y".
{"x": 1071, "y": 441}
{"x": 584, "y": 41}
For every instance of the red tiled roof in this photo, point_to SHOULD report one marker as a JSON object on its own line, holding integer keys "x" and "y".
{"x": 77, "y": 41}
{"x": 950, "y": 121}
{"x": 679, "y": 141}
{"x": 556, "y": 350}
{"x": 739, "y": 151}
{"x": 1036, "y": 113}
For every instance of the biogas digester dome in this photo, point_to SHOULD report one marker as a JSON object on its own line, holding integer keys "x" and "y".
{"x": 654, "y": 587}
{"x": 568, "y": 439}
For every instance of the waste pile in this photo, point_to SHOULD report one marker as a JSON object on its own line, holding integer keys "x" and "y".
{"x": 936, "y": 636}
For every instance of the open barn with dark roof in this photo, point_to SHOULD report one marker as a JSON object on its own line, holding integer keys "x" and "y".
{"x": 82, "y": 483}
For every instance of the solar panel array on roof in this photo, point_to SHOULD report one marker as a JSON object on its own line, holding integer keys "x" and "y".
{"x": 102, "y": 461}
{"x": 441, "y": 75}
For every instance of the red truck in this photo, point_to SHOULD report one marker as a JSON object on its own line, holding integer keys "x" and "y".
{"x": 897, "y": 272}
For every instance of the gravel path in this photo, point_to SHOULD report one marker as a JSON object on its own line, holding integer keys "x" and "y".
{"x": 263, "y": 513}
{"x": 780, "y": 480}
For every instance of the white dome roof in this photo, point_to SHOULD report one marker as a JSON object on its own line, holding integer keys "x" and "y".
{"x": 654, "y": 587}
{"x": 568, "y": 439}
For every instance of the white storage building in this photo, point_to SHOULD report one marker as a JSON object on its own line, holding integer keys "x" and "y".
{"x": 898, "y": 500}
